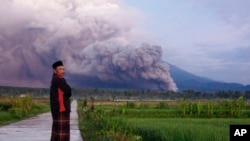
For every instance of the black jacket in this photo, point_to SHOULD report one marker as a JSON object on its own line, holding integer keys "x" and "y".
{"x": 61, "y": 83}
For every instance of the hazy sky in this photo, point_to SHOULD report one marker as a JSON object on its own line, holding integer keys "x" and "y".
{"x": 210, "y": 38}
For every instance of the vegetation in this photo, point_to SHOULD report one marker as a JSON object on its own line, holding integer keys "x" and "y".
{"x": 113, "y": 94}
{"x": 176, "y": 120}
{"x": 139, "y": 115}
{"x": 17, "y": 108}
{"x": 183, "y": 129}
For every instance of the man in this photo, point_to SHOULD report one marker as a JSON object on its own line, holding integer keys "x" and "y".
{"x": 60, "y": 93}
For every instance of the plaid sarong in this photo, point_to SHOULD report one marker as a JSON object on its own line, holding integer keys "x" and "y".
{"x": 61, "y": 127}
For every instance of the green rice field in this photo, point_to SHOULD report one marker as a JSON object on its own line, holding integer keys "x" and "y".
{"x": 161, "y": 121}
{"x": 184, "y": 129}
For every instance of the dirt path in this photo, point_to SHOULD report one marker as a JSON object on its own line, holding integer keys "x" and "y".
{"x": 38, "y": 128}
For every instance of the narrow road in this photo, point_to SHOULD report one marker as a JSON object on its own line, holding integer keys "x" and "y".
{"x": 38, "y": 128}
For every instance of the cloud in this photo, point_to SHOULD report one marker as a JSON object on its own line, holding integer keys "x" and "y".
{"x": 202, "y": 37}
{"x": 95, "y": 39}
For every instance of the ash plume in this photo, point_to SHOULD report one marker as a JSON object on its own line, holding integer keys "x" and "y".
{"x": 95, "y": 40}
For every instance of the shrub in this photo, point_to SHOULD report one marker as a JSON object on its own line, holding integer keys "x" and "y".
{"x": 144, "y": 106}
{"x": 130, "y": 104}
{"x": 162, "y": 105}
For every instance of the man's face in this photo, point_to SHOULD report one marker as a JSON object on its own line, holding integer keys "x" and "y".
{"x": 59, "y": 70}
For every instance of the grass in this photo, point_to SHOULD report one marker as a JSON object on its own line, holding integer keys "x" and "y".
{"x": 159, "y": 121}
{"x": 184, "y": 129}
{"x": 20, "y": 108}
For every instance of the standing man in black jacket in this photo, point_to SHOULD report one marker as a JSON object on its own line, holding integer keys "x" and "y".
{"x": 60, "y": 93}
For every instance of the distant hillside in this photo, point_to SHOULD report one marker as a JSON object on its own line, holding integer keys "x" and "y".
{"x": 188, "y": 81}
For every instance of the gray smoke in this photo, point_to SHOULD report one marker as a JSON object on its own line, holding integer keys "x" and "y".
{"x": 94, "y": 38}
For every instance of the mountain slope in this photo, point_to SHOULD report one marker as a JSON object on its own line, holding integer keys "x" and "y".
{"x": 188, "y": 81}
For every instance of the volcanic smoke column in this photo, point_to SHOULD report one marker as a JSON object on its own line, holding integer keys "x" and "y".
{"x": 95, "y": 39}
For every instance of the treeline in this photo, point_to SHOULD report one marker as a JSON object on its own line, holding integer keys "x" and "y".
{"x": 149, "y": 94}
{"x": 18, "y": 91}
{"x": 116, "y": 94}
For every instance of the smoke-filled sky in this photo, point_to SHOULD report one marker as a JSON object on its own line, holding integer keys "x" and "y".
{"x": 210, "y": 38}
{"x": 99, "y": 42}
{"x": 120, "y": 43}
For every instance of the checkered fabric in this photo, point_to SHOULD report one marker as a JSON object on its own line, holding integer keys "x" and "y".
{"x": 61, "y": 127}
